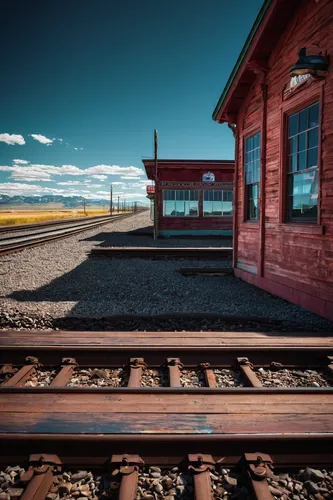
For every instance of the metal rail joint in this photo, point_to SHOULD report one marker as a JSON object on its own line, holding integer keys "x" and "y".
{"x": 259, "y": 467}
{"x": 129, "y": 466}
{"x": 202, "y": 466}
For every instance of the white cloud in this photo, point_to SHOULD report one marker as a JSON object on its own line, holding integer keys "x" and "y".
{"x": 20, "y": 162}
{"x": 60, "y": 140}
{"x": 70, "y": 183}
{"x": 100, "y": 177}
{"x": 75, "y": 149}
{"x": 86, "y": 181}
{"x": 12, "y": 139}
{"x": 118, "y": 183}
{"x": 34, "y": 172}
{"x": 42, "y": 139}
{"x": 130, "y": 177}
{"x": 114, "y": 170}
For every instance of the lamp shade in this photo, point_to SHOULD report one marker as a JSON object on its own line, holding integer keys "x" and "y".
{"x": 308, "y": 64}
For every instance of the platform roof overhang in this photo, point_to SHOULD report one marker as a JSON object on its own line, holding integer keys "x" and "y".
{"x": 191, "y": 164}
{"x": 263, "y": 38}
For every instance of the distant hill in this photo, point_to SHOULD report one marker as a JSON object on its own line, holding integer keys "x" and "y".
{"x": 65, "y": 201}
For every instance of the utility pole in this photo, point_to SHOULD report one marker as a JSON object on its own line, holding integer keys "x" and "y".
{"x": 111, "y": 207}
{"x": 84, "y": 206}
{"x": 118, "y": 204}
{"x": 156, "y": 197}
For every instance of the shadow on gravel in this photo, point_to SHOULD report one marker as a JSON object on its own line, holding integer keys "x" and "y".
{"x": 143, "y": 237}
{"x": 122, "y": 294}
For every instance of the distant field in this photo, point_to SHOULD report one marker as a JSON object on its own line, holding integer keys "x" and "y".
{"x": 10, "y": 217}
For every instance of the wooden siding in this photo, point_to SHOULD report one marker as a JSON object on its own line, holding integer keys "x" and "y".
{"x": 298, "y": 260}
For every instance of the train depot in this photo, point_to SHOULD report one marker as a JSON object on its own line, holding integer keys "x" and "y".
{"x": 279, "y": 103}
{"x": 191, "y": 197}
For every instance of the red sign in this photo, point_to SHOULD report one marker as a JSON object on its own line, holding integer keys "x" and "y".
{"x": 150, "y": 189}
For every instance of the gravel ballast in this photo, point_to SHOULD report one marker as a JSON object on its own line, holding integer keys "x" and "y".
{"x": 292, "y": 378}
{"x": 60, "y": 280}
{"x": 228, "y": 378}
{"x": 99, "y": 377}
{"x": 11, "y": 487}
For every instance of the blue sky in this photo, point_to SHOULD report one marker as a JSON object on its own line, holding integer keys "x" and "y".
{"x": 85, "y": 82}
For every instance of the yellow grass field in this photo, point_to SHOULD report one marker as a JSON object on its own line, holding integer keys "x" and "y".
{"x": 18, "y": 217}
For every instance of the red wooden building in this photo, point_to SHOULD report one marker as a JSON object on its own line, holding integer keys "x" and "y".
{"x": 193, "y": 197}
{"x": 279, "y": 103}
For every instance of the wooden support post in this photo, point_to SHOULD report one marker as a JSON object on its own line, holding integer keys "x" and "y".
{"x": 258, "y": 467}
{"x": 136, "y": 366}
{"x": 66, "y": 372}
{"x": 40, "y": 476}
{"x": 246, "y": 367}
{"x": 20, "y": 377}
{"x": 209, "y": 375}
{"x": 202, "y": 465}
{"x": 129, "y": 466}
{"x": 174, "y": 366}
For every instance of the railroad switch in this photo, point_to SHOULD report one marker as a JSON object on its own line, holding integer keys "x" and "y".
{"x": 202, "y": 465}
{"x": 39, "y": 476}
{"x": 258, "y": 466}
{"x": 129, "y": 466}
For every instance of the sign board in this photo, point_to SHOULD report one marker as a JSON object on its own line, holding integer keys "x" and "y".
{"x": 209, "y": 177}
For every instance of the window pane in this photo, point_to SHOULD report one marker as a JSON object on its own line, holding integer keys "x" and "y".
{"x": 194, "y": 195}
{"x": 227, "y": 195}
{"x": 302, "y": 160}
{"x": 179, "y": 195}
{"x": 193, "y": 208}
{"x": 252, "y": 200}
{"x": 314, "y": 115}
{"x": 217, "y": 195}
{"x": 169, "y": 208}
{"x": 293, "y": 145}
{"x": 313, "y": 138}
{"x": 207, "y": 208}
{"x": 249, "y": 177}
{"x": 303, "y": 119}
{"x": 312, "y": 158}
{"x": 293, "y": 125}
{"x": 303, "y": 196}
{"x": 180, "y": 208}
{"x": 227, "y": 208}
{"x": 217, "y": 208}
{"x": 302, "y": 142}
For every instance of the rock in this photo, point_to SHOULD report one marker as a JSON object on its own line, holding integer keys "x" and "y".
{"x": 79, "y": 475}
{"x": 316, "y": 475}
{"x": 154, "y": 469}
{"x": 15, "y": 493}
{"x": 155, "y": 474}
{"x": 311, "y": 487}
{"x": 65, "y": 488}
{"x": 4, "y": 496}
{"x": 167, "y": 483}
{"x": 84, "y": 490}
{"x": 158, "y": 488}
{"x": 147, "y": 496}
{"x": 231, "y": 480}
{"x": 52, "y": 496}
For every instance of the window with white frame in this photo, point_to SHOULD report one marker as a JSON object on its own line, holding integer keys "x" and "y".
{"x": 302, "y": 188}
{"x": 180, "y": 203}
{"x": 217, "y": 203}
{"x": 252, "y": 176}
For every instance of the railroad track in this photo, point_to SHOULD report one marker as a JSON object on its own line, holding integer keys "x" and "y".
{"x": 48, "y": 223}
{"x": 155, "y": 413}
{"x": 44, "y": 233}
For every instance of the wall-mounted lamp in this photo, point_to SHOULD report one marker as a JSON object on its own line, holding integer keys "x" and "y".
{"x": 309, "y": 64}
